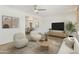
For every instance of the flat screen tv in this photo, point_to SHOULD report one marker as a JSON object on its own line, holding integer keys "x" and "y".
{"x": 58, "y": 26}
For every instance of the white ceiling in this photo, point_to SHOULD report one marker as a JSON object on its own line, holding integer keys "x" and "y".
{"x": 50, "y": 9}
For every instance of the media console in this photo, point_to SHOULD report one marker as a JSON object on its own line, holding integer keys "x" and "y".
{"x": 56, "y": 34}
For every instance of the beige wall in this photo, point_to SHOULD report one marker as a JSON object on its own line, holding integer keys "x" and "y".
{"x": 77, "y": 18}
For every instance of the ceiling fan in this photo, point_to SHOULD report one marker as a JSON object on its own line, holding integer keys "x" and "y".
{"x": 36, "y": 9}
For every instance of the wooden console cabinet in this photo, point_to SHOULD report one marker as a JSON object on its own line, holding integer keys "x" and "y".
{"x": 56, "y": 34}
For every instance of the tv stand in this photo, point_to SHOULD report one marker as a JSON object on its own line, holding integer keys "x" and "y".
{"x": 56, "y": 34}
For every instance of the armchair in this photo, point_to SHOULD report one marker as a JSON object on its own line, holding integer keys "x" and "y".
{"x": 20, "y": 40}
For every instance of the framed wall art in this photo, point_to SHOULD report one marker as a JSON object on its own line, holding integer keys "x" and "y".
{"x": 9, "y": 22}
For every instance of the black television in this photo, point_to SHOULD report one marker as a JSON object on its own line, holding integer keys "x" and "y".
{"x": 58, "y": 26}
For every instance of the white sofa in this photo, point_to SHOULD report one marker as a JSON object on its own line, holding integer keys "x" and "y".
{"x": 65, "y": 49}
{"x": 76, "y": 46}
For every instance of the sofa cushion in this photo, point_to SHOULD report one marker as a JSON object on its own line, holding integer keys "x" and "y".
{"x": 69, "y": 41}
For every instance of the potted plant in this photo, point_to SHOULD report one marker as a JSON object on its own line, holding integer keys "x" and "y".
{"x": 70, "y": 28}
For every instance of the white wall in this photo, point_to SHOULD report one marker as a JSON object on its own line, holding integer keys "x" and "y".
{"x": 6, "y": 35}
{"x": 45, "y": 22}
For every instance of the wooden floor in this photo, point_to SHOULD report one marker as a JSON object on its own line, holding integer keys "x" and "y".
{"x": 32, "y": 47}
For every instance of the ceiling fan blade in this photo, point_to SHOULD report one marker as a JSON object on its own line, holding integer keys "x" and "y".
{"x": 35, "y": 7}
{"x": 41, "y": 9}
{"x": 36, "y": 10}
